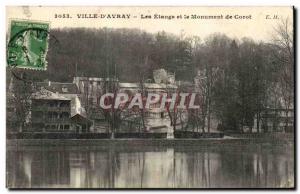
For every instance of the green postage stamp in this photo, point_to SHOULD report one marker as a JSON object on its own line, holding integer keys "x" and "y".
{"x": 28, "y": 44}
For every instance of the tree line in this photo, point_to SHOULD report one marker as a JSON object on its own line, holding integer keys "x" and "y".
{"x": 239, "y": 77}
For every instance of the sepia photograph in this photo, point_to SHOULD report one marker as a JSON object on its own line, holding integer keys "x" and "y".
{"x": 145, "y": 97}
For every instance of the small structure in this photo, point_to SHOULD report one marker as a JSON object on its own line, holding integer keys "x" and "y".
{"x": 50, "y": 112}
{"x": 277, "y": 120}
{"x": 162, "y": 76}
{"x": 133, "y": 88}
{"x": 80, "y": 123}
{"x": 59, "y": 87}
{"x": 91, "y": 88}
{"x": 148, "y": 87}
{"x": 62, "y": 107}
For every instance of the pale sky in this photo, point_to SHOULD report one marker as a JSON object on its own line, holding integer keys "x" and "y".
{"x": 258, "y": 27}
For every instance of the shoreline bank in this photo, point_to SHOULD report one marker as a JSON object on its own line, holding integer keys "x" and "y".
{"x": 145, "y": 142}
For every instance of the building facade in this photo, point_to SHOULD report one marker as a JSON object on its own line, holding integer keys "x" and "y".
{"x": 277, "y": 120}
{"x": 50, "y": 112}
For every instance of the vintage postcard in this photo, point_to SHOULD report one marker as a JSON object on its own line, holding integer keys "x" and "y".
{"x": 150, "y": 97}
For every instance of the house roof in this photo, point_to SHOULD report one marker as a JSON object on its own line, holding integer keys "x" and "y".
{"x": 94, "y": 79}
{"x": 78, "y": 118}
{"x": 62, "y": 88}
{"x": 44, "y": 94}
{"x": 77, "y": 108}
{"x": 147, "y": 85}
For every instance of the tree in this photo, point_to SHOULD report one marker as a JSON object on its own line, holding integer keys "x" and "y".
{"x": 20, "y": 98}
{"x": 284, "y": 54}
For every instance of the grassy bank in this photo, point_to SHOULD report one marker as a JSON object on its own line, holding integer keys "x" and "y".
{"x": 145, "y": 142}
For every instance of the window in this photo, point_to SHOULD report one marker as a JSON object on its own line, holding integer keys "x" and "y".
{"x": 49, "y": 115}
{"x": 91, "y": 101}
{"x": 52, "y": 104}
{"x": 64, "y": 104}
{"x": 67, "y": 127}
{"x": 98, "y": 100}
{"x": 55, "y": 115}
{"x": 64, "y": 89}
{"x": 48, "y": 127}
{"x": 64, "y": 115}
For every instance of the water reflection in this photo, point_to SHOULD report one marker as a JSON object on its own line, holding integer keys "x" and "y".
{"x": 144, "y": 167}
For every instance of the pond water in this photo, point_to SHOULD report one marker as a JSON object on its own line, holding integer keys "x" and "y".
{"x": 259, "y": 166}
